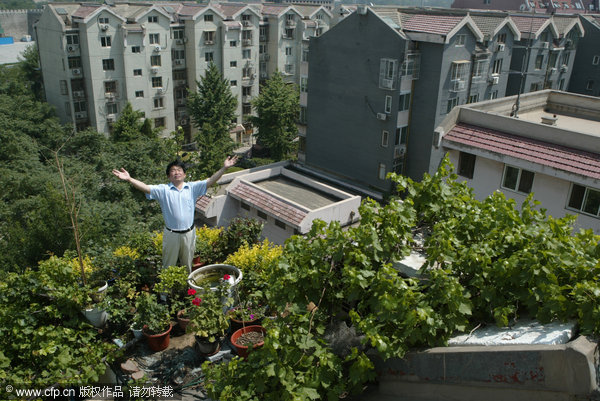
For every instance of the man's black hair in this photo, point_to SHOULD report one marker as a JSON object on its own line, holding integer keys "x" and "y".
{"x": 177, "y": 163}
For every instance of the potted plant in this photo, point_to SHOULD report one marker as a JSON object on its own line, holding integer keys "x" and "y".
{"x": 245, "y": 313}
{"x": 246, "y": 338}
{"x": 155, "y": 319}
{"x": 206, "y": 245}
{"x": 207, "y": 318}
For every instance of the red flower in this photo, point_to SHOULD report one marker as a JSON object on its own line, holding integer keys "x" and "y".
{"x": 226, "y": 277}
{"x": 191, "y": 291}
{"x": 196, "y": 301}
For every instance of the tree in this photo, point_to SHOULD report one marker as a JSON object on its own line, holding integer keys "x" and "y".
{"x": 212, "y": 108}
{"x": 130, "y": 125}
{"x": 277, "y": 108}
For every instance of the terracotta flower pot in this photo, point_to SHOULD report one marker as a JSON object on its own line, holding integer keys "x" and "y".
{"x": 238, "y": 324}
{"x": 242, "y": 350}
{"x": 182, "y": 321}
{"x": 158, "y": 342}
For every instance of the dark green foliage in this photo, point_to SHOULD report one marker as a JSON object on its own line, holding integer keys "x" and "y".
{"x": 277, "y": 108}
{"x": 211, "y": 108}
{"x": 239, "y": 231}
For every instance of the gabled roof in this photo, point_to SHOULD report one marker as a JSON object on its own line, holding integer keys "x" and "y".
{"x": 88, "y": 13}
{"x": 233, "y": 10}
{"x": 565, "y": 25}
{"x": 533, "y": 150}
{"x": 446, "y": 25}
{"x": 308, "y": 11}
{"x": 490, "y": 25}
{"x": 278, "y": 9}
{"x": 146, "y": 11}
{"x": 193, "y": 11}
{"x": 534, "y": 24}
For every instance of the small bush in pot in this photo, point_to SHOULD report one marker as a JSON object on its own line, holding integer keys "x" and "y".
{"x": 153, "y": 316}
{"x": 206, "y": 312}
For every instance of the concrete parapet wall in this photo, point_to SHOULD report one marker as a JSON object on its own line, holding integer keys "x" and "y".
{"x": 528, "y": 372}
{"x": 18, "y": 23}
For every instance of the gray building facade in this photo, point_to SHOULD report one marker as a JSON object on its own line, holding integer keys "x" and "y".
{"x": 586, "y": 68}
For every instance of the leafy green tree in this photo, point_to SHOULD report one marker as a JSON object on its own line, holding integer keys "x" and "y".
{"x": 277, "y": 107}
{"x": 130, "y": 125}
{"x": 212, "y": 108}
{"x": 30, "y": 65}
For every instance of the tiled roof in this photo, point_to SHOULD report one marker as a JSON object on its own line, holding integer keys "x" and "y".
{"x": 230, "y": 9}
{"x": 487, "y": 24}
{"x": 84, "y": 11}
{"x": 190, "y": 10}
{"x": 438, "y": 24}
{"x": 547, "y": 154}
{"x": 268, "y": 203}
{"x": 203, "y": 202}
{"x": 273, "y": 9}
{"x": 529, "y": 24}
{"x": 563, "y": 23}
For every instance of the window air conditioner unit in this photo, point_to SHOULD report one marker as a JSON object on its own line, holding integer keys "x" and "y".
{"x": 553, "y": 70}
{"x": 110, "y": 118}
{"x": 79, "y": 116}
{"x": 398, "y": 152}
{"x": 154, "y": 70}
{"x": 494, "y": 80}
{"x": 568, "y": 43}
{"x": 183, "y": 121}
{"x": 501, "y": 47}
{"x": 160, "y": 91}
{"x": 71, "y": 48}
{"x": 104, "y": 27}
{"x": 382, "y": 116}
{"x": 209, "y": 42}
{"x": 109, "y": 95}
{"x": 545, "y": 45}
{"x": 387, "y": 83}
{"x": 564, "y": 68}
{"x": 246, "y": 23}
{"x": 178, "y": 62}
{"x": 179, "y": 41}
{"x": 157, "y": 48}
{"x": 78, "y": 93}
{"x": 76, "y": 71}
{"x": 458, "y": 86}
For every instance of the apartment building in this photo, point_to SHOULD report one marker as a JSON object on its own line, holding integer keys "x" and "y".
{"x": 551, "y": 150}
{"x": 538, "y": 6}
{"x": 585, "y": 78}
{"x": 378, "y": 106}
{"x": 545, "y": 53}
{"x": 97, "y": 57}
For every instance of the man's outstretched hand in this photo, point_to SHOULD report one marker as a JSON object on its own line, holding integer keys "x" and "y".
{"x": 122, "y": 174}
{"x": 230, "y": 161}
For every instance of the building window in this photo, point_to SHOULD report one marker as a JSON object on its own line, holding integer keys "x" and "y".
{"x": 154, "y": 38}
{"x": 233, "y": 64}
{"x": 246, "y": 109}
{"x": 233, "y": 43}
{"x": 208, "y": 17}
{"x": 262, "y": 215}
{"x": 466, "y": 164}
{"x": 159, "y": 122}
{"x": 451, "y": 103}
{"x": 158, "y": 103}
{"x": 63, "y": 88}
{"x": 136, "y": 49}
{"x": 501, "y": 38}
{"x": 111, "y": 108}
{"x": 473, "y": 98}
{"x": 103, "y": 20}
{"x": 381, "y": 172}
{"x": 72, "y": 39}
{"x": 385, "y": 137}
{"x": 460, "y": 40}
{"x": 246, "y": 91}
{"x": 561, "y": 84}
{"x": 497, "y": 67}
{"x": 110, "y": 87}
{"x": 589, "y": 85}
{"x": 387, "y": 73}
{"x": 108, "y": 64}
{"x": 74, "y": 62}
{"x": 305, "y": 55}
{"x": 80, "y": 106}
{"x": 105, "y": 41}
{"x": 153, "y": 18}
{"x": 517, "y": 179}
{"x": 302, "y": 117}
{"x": 585, "y": 200}
{"x": 139, "y": 93}
{"x": 288, "y": 51}
{"x": 233, "y": 82}
{"x": 596, "y": 60}
{"x": 157, "y": 82}
{"x": 539, "y": 61}
{"x": 458, "y": 75}
{"x": 304, "y": 84}
{"x": 289, "y": 33}
{"x": 401, "y": 135}
{"x": 280, "y": 224}
{"x": 246, "y": 72}
{"x": 178, "y": 54}
{"x": 208, "y": 57}
{"x": 155, "y": 61}
{"x": 137, "y": 72}
{"x": 246, "y": 54}
{"x": 566, "y": 58}
{"x": 178, "y": 34}
{"x": 388, "y": 104}
{"x": 244, "y": 205}
{"x": 209, "y": 37}
{"x": 479, "y": 68}
{"x": 494, "y": 94}
{"x": 536, "y": 86}
{"x": 404, "y": 103}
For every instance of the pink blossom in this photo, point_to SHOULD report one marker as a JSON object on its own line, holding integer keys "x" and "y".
{"x": 196, "y": 301}
{"x": 191, "y": 291}
{"x": 226, "y": 277}
{"x": 251, "y": 317}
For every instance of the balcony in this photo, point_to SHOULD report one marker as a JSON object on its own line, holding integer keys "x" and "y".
{"x": 264, "y": 57}
{"x": 246, "y": 42}
{"x": 458, "y": 85}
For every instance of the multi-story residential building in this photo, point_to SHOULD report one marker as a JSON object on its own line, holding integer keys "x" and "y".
{"x": 538, "y": 6}
{"x": 378, "y": 106}
{"x": 97, "y": 57}
{"x": 552, "y": 149}
{"x": 544, "y": 56}
{"x": 585, "y": 78}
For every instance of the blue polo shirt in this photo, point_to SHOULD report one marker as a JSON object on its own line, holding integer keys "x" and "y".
{"x": 178, "y": 206}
